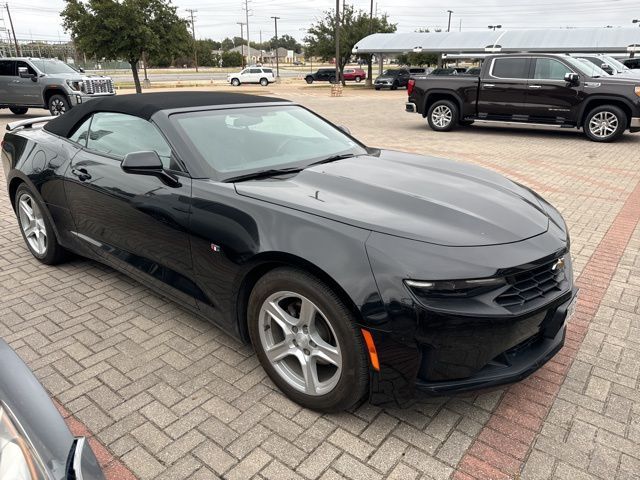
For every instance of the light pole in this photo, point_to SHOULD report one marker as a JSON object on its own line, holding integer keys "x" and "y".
{"x": 449, "y": 24}
{"x": 242, "y": 41}
{"x": 494, "y": 27}
{"x": 337, "y": 41}
{"x": 275, "y": 20}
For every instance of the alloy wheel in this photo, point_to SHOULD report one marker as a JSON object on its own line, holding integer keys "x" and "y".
{"x": 441, "y": 116}
{"x": 300, "y": 343}
{"x": 58, "y": 107}
{"x": 32, "y": 224}
{"x": 603, "y": 124}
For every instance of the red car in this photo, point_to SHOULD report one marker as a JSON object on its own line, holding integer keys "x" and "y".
{"x": 356, "y": 74}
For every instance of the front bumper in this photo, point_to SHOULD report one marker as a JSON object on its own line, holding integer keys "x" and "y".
{"x": 78, "y": 98}
{"x": 634, "y": 125}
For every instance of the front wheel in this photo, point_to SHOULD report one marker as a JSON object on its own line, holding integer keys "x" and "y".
{"x": 605, "y": 123}
{"x": 307, "y": 340}
{"x": 264, "y": 82}
{"x": 443, "y": 116}
{"x": 309, "y": 80}
{"x": 36, "y": 229}
{"x": 58, "y": 105}
{"x": 358, "y": 79}
{"x": 235, "y": 82}
{"x": 18, "y": 110}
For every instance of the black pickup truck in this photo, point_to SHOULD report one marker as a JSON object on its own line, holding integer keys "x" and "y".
{"x": 553, "y": 90}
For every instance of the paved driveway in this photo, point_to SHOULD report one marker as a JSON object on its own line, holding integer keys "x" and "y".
{"x": 171, "y": 396}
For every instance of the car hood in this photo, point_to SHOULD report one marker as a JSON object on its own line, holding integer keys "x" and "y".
{"x": 421, "y": 198}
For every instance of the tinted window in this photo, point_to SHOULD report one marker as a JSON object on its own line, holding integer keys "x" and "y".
{"x": 118, "y": 134}
{"x": 510, "y": 68}
{"x": 6, "y": 68}
{"x": 267, "y": 70}
{"x": 28, "y": 67}
{"x": 550, "y": 69}
{"x": 255, "y": 70}
{"x": 82, "y": 133}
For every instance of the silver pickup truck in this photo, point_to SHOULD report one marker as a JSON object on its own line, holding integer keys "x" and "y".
{"x": 42, "y": 83}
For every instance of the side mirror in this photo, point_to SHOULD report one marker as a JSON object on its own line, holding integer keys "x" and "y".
{"x": 23, "y": 72}
{"x": 572, "y": 78}
{"x": 148, "y": 163}
{"x": 81, "y": 70}
{"x": 607, "y": 68}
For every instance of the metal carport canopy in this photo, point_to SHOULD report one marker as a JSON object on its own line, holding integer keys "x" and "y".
{"x": 592, "y": 40}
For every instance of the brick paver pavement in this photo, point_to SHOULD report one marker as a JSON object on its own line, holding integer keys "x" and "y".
{"x": 171, "y": 396}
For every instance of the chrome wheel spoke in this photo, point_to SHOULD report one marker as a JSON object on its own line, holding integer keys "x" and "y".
{"x": 310, "y": 372}
{"x": 326, "y": 352}
{"x": 26, "y": 209}
{"x": 307, "y": 312}
{"x": 285, "y": 321}
{"x": 279, "y": 351}
{"x": 30, "y": 230}
{"x": 32, "y": 224}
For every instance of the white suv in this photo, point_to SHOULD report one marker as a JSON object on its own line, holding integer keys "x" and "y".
{"x": 263, "y": 76}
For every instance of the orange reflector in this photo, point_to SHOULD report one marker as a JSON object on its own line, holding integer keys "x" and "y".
{"x": 373, "y": 354}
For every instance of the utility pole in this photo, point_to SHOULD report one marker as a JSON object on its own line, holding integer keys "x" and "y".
{"x": 369, "y": 81}
{"x": 15, "y": 39}
{"x": 246, "y": 11}
{"x": 337, "y": 34}
{"x": 460, "y": 29}
{"x": 193, "y": 34}
{"x": 275, "y": 21}
{"x": 242, "y": 41}
{"x": 261, "y": 46}
{"x": 449, "y": 24}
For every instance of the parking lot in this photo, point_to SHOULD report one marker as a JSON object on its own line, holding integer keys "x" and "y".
{"x": 170, "y": 396}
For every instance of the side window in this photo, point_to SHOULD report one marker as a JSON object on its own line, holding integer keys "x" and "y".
{"x": 550, "y": 69}
{"x": 81, "y": 133}
{"x": 255, "y": 70}
{"x": 510, "y": 68}
{"x": 267, "y": 70}
{"x": 29, "y": 67}
{"x": 118, "y": 134}
{"x": 7, "y": 68}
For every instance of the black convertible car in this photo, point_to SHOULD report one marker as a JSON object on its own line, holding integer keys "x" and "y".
{"x": 354, "y": 272}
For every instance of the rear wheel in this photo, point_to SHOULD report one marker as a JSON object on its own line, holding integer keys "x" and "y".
{"x": 36, "y": 229}
{"x": 377, "y": 88}
{"x": 358, "y": 79}
{"x": 605, "y": 123}
{"x": 309, "y": 80}
{"x": 307, "y": 340}
{"x": 394, "y": 86}
{"x": 443, "y": 116}
{"x": 235, "y": 82}
{"x": 58, "y": 105}
{"x": 18, "y": 110}
{"x": 264, "y": 82}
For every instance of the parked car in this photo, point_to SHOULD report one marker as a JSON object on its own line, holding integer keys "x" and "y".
{"x": 263, "y": 76}
{"x": 35, "y": 442}
{"x": 417, "y": 71}
{"x": 355, "y": 272}
{"x": 322, "y": 75}
{"x": 41, "y": 83}
{"x": 354, "y": 74}
{"x": 473, "y": 71}
{"x": 555, "y": 90}
{"x": 392, "y": 78}
{"x": 297, "y": 63}
{"x": 632, "y": 63}
{"x": 448, "y": 71}
{"x": 609, "y": 64}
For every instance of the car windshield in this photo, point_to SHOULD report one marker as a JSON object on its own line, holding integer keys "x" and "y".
{"x": 52, "y": 67}
{"x": 391, "y": 73}
{"x": 240, "y": 141}
{"x": 586, "y": 67}
{"x": 615, "y": 64}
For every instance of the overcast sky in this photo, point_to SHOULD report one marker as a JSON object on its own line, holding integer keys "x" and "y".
{"x": 39, "y": 19}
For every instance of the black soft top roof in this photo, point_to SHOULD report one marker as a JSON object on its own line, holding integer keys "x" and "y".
{"x": 145, "y": 105}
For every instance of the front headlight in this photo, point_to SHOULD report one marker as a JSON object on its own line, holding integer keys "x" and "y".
{"x": 17, "y": 458}
{"x": 638, "y": 91}
{"x": 75, "y": 85}
{"x": 454, "y": 288}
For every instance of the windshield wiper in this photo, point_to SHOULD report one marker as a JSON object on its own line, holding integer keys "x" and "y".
{"x": 332, "y": 158}
{"x": 272, "y": 172}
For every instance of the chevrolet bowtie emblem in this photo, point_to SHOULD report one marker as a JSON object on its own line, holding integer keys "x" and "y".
{"x": 559, "y": 265}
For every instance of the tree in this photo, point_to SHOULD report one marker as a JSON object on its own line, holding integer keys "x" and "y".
{"x": 231, "y": 59}
{"x": 126, "y": 29}
{"x": 227, "y": 44}
{"x": 285, "y": 41}
{"x": 354, "y": 25}
{"x": 418, "y": 59}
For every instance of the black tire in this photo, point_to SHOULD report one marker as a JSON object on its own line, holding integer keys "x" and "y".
{"x": 437, "y": 116}
{"x": 235, "y": 82}
{"x": 465, "y": 123}
{"x": 309, "y": 80}
{"x": 605, "y": 116}
{"x": 358, "y": 79}
{"x": 394, "y": 86}
{"x": 58, "y": 105}
{"x": 352, "y": 384}
{"x": 377, "y": 88}
{"x": 54, "y": 252}
{"x": 18, "y": 110}
{"x": 332, "y": 80}
{"x": 264, "y": 82}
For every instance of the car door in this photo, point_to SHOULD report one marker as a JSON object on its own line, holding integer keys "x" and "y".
{"x": 137, "y": 223}
{"x": 7, "y": 85}
{"x": 503, "y": 89}
{"x": 550, "y": 98}
{"x": 27, "y": 90}
{"x": 255, "y": 74}
{"x": 403, "y": 77}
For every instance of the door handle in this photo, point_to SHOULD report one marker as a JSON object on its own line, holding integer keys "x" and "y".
{"x": 81, "y": 173}
{"x": 488, "y": 85}
{"x": 535, "y": 86}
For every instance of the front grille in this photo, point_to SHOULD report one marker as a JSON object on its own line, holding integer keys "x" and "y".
{"x": 528, "y": 286}
{"x": 99, "y": 86}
